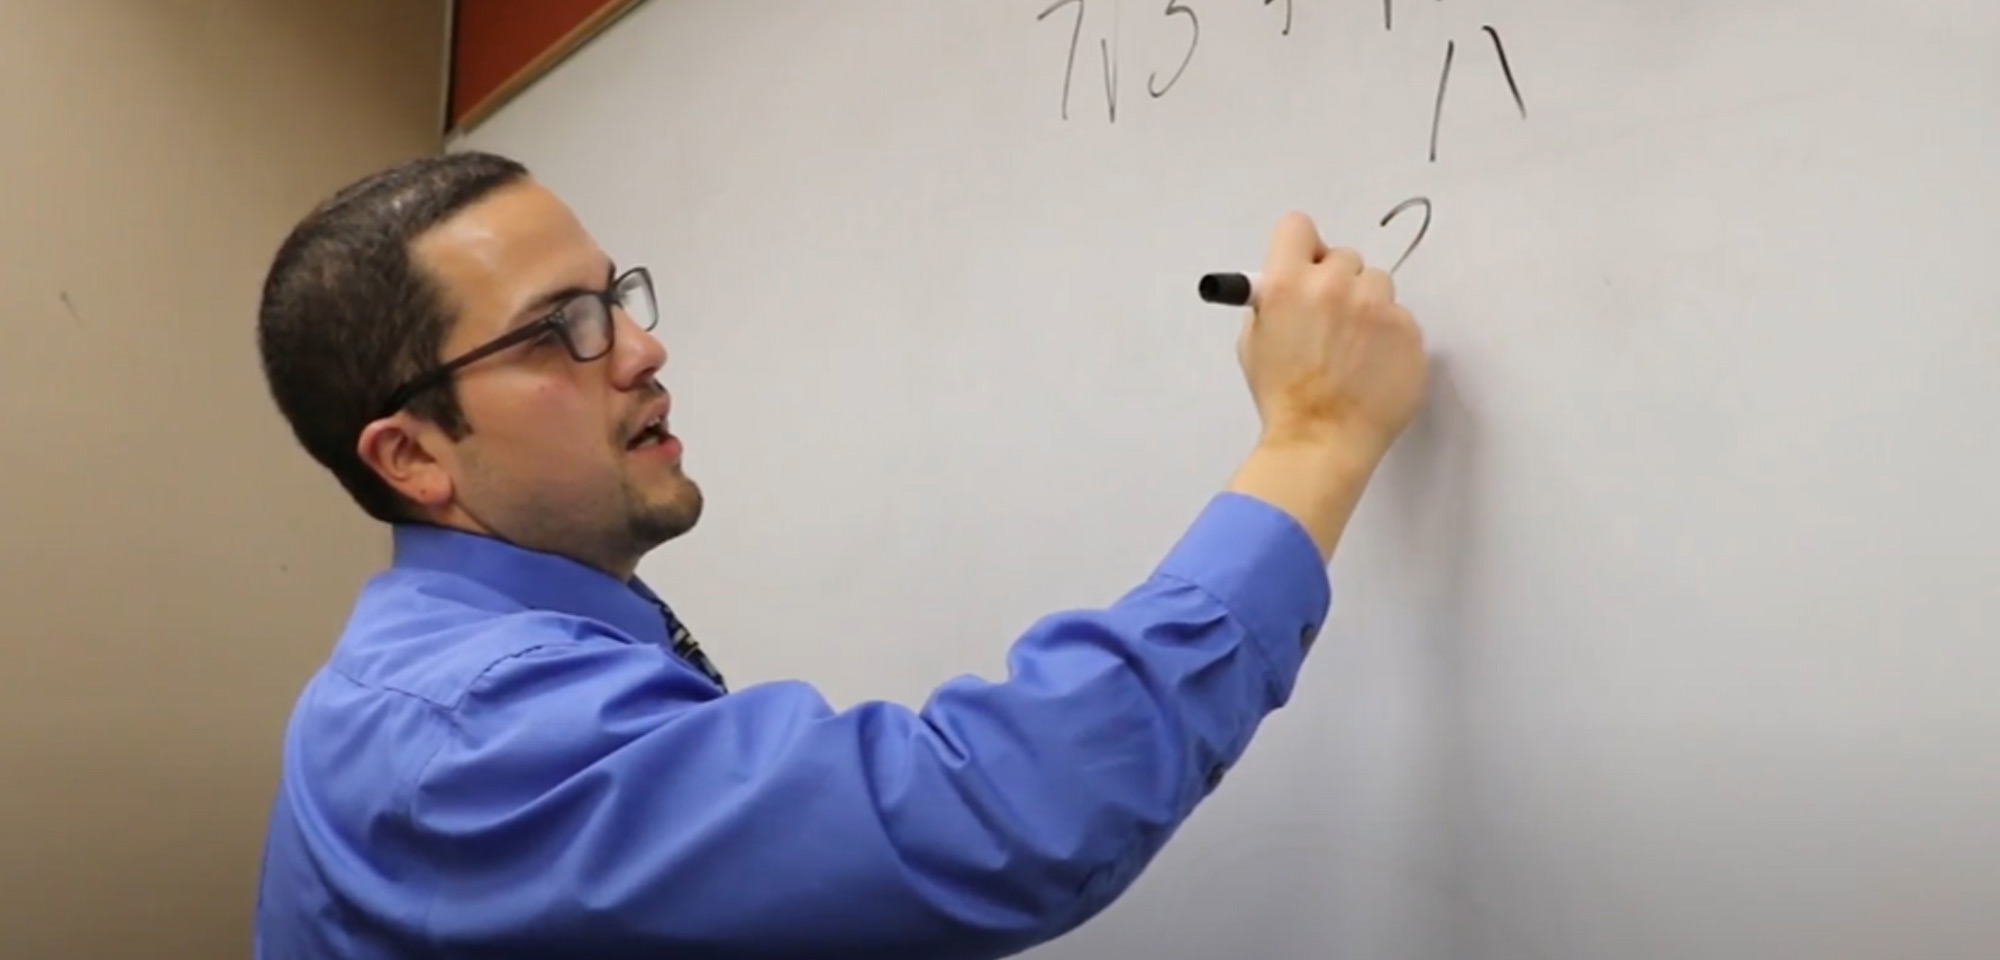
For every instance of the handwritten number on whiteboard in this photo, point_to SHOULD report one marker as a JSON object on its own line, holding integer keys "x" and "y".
{"x": 1110, "y": 77}
{"x": 1076, "y": 34}
{"x": 1422, "y": 228}
{"x": 1173, "y": 7}
{"x": 1505, "y": 68}
{"x": 1288, "y": 15}
{"x": 1437, "y": 112}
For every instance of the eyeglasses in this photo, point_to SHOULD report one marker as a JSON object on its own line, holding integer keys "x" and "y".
{"x": 583, "y": 322}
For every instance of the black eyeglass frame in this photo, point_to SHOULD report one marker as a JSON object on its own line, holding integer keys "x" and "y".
{"x": 557, "y": 320}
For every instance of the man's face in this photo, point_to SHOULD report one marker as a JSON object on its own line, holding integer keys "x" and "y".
{"x": 550, "y": 462}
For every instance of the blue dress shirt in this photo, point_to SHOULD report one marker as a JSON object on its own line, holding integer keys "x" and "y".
{"x": 504, "y": 757}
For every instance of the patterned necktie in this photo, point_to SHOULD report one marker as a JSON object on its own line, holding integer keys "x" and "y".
{"x": 684, "y": 645}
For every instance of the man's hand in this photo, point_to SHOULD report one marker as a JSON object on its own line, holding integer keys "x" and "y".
{"x": 1336, "y": 368}
{"x": 1329, "y": 354}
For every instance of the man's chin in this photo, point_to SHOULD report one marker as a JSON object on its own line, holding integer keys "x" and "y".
{"x": 667, "y": 517}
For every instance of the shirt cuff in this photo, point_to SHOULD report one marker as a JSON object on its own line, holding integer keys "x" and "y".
{"x": 1262, "y": 565}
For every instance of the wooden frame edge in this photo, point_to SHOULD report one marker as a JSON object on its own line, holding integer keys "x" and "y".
{"x": 533, "y": 70}
{"x": 446, "y": 64}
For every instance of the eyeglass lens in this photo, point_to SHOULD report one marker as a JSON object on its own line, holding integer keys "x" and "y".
{"x": 588, "y": 320}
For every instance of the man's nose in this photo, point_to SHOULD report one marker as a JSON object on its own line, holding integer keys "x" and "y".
{"x": 637, "y": 355}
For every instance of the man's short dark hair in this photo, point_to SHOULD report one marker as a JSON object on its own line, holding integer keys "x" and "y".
{"x": 347, "y": 314}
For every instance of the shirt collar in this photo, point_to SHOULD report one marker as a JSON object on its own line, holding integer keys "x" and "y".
{"x": 534, "y": 579}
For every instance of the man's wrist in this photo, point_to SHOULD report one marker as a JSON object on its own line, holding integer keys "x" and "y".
{"x": 1333, "y": 437}
{"x": 1316, "y": 477}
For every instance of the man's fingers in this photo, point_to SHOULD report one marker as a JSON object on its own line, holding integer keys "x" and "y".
{"x": 1294, "y": 244}
{"x": 1377, "y": 288}
{"x": 1342, "y": 260}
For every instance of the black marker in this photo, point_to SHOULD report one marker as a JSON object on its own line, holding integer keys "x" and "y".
{"x": 1229, "y": 289}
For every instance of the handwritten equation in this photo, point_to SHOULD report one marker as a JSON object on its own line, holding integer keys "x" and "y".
{"x": 1179, "y": 60}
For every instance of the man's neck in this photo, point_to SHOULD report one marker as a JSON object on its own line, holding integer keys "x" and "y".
{"x": 612, "y": 563}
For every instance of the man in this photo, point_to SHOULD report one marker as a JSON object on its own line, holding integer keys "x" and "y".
{"x": 515, "y": 750}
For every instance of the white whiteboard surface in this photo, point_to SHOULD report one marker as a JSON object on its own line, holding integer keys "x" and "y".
{"x": 1671, "y": 630}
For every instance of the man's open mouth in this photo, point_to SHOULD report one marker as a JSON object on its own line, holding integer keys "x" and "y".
{"x": 651, "y": 435}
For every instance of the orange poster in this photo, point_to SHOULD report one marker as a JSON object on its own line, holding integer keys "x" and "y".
{"x": 499, "y": 47}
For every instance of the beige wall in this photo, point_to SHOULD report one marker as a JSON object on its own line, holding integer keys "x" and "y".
{"x": 174, "y": 565}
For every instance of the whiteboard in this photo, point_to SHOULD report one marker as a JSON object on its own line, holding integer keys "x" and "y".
{"x": 1671, "y": 629}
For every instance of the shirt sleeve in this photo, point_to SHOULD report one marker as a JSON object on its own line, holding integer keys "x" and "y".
{"x": 584, "y": 806}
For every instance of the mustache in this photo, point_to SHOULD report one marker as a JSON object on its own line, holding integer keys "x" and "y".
{"x": 651, "y": 393}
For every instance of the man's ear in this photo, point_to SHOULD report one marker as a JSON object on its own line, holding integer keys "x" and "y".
{"x": 401, "y": 450}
